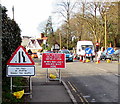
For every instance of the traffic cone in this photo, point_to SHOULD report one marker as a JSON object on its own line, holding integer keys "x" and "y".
{"x": 98, "y": 61}
{"x": 19, "y": 94}
{"x": 80, "y": 59}
{"x": 84, "y": 60}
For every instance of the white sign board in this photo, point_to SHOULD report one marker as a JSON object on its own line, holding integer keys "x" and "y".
{"x": 20, "y": 71}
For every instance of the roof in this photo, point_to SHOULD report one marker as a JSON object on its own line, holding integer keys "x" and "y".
{"x": 44, "y": 38}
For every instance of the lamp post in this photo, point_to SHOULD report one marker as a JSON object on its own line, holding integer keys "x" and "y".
{"x": 105, "y": 32}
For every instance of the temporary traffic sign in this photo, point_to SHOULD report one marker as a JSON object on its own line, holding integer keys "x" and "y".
{"x": 53, "y": 60}
{"x": 110, "y": 50}
{"x": 20, "y": 64}
{"x": 88, "y": 50}
{"x": 20, "y": 57}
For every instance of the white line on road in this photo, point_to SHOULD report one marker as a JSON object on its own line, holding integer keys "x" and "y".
{"x": 72, "y": 86}
{"x": 101, "y": 69}
{"x": 107, "y": 71}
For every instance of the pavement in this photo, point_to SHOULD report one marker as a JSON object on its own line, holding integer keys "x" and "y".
{"x": 51, "y": 92}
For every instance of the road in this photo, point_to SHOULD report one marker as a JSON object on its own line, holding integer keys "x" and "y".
{"x": 90, "y": 82}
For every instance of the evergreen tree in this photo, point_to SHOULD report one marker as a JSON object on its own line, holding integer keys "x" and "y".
{"x": 50, "y": 33}
{"x": 11, "y": 38}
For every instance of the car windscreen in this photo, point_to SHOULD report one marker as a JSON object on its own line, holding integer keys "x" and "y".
{"x": 64, "y": 51}
{"x": 86, "y": 46}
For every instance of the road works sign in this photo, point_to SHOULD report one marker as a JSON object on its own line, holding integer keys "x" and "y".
{"x": 88, "y": 50}
{"x": 110, "y": 50}
{"x": 20, "y": 57}
{"x": 53, "y": 60}
{"x": 20, "y": 64}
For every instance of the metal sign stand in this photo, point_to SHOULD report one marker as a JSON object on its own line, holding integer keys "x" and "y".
{"x": 47, "y": 75}
{"x": 30, "y": 86}
{"x": 59, "y": 75}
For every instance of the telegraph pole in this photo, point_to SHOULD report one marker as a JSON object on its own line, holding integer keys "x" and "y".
{"x": 13, "y": 12}
{"x": 60, "y": 40}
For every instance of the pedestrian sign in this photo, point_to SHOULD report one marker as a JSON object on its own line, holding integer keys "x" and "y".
{"x": 88, "y": 50}
{"x": 20, "y": 57}
{"x": 110, "y": 50}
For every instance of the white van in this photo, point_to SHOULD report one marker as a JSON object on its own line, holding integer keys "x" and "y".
{"x": 81, "y": 46}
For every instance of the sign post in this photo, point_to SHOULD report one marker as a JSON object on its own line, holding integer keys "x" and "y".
{"x": 53, "y": 60}
{"x": 20, "y": 64}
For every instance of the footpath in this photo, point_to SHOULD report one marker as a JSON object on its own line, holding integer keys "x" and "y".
{"x": 49, "y": 92}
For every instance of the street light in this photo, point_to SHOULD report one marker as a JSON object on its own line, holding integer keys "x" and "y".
{"x": 105, "y": 32}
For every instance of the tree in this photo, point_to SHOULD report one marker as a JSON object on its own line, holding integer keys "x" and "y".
{"x": 65, "y": 9}
{"x": 50, "y": 33}
{"x": 10, "y": 41}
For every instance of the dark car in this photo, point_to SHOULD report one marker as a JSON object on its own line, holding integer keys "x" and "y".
{"x": 68, "y": 54}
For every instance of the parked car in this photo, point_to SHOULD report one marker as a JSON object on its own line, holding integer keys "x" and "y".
{"x": 116, "y": 55}
{"x": 68, "y": 54}
{"x": 105, "y": 55}
{"x": 34, "y": 55}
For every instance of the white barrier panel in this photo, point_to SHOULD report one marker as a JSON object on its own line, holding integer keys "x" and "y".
{"x": 20, "y": 71}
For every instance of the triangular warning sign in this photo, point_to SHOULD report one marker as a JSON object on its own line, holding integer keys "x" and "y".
{"x": 20, "y": 57}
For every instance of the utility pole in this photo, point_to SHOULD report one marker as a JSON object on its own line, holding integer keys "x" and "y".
{"x": 105, "y": 31}
{"x": 13, "y": 12}
{"x": 60, "y": 40}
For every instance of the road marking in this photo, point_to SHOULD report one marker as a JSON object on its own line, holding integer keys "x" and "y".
{"x": 80, "y": 98}
{"x": 84, "y": 100}
{"x": 86, "y": 96}
{"x": 117, "y": 75}
{"x": 72, "y": 86}
{"x": 69, "y": 63}
{"x": 101, "y": 69}
{"x": 107, "y": 71}
{"x": 93, "y": 100}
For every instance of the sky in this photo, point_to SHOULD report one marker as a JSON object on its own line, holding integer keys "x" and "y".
{"x": 29, "y": 14}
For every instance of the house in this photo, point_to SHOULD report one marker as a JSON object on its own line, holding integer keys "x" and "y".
{"x": 25, "y": 40}
{"x": 34, "y": 44}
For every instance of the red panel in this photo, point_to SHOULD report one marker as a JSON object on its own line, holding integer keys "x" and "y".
{"x": 53, "y": 60}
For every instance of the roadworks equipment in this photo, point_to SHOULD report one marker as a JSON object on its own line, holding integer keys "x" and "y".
{"x": 19, "y": 94}
{"x": 52, "y": 76}
{"x": 87, "y": 60}
{"x": 98, "y": 62}
{"x": 108, "y": 61}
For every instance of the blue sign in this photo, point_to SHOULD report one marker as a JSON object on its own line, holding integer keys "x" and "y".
{"x": 110, "y": 50}
{"x": 88, "y": 50}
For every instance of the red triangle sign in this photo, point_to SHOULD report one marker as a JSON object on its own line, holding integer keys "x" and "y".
{"x": 20, "y": 57}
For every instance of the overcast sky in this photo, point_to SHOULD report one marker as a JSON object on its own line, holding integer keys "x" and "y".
{"x": 29, "y": 13}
